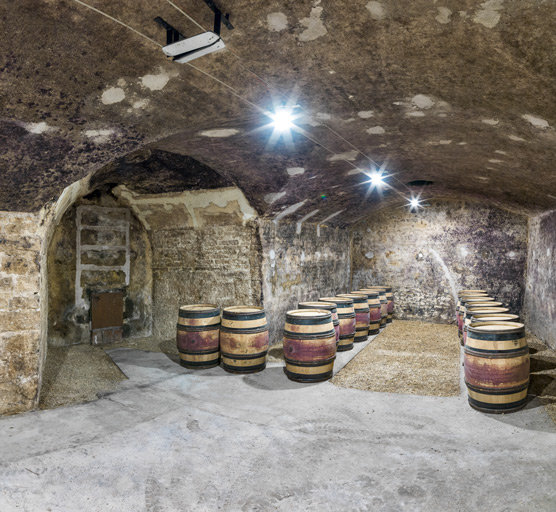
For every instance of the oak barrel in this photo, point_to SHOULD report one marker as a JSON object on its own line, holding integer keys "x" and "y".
{"x": 244, "y": 339}
{"x": 494, "y": 317}
{"x": 373, "y": 300}
{"x": 346, "y": 316}
{"x": 461, "y": 294}
{"x": 309, "y": 345}
{"x": 362, "y": 315}
{"x": 462, "y": 308}
{"x": 198, "y": 334}
{"x": 496, "y": 361}
{"x": 383, "y": 303}
{"x": 328, "y": 306}
{"x": 470, "y": 312}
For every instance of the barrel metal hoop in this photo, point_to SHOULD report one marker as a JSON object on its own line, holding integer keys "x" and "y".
{"x": 310, "y": 364}
{"x": 199, "y": 314}
{"x": 517, "y": 334}
{"x": 199, "y": 352}
{"x": 505, "y": 391}
{"x": 237, "y": 316}
{"x": 303, "y": 336}
{"x": 253, "y": 330}
{"x": 198, "y": 328}
{"x": 308, "y": 321}
{"x": 496, "y": 354}
{"x": 244, "y": 357}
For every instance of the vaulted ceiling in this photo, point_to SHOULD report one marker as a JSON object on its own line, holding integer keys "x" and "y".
{"x": 460, "y": 93}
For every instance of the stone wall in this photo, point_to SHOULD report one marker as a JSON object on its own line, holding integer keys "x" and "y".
{"x": 206, "y": 249}
{"x": 301, "y": 265}
{"x": 21, "y": 236}
{"x": 540, "y": 290}
{"x": 429, "y": 255}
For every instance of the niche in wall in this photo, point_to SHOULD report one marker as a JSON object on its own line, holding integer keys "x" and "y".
{"x": 98, "y": 247}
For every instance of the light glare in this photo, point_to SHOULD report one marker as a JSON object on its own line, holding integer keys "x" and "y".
{"x": 282, "y": 120}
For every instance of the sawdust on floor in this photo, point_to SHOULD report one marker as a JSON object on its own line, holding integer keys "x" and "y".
{"x": 75, "y": 374}
{"x": 409, "y": 357}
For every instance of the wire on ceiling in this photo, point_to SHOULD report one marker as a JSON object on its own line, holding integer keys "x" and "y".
{"x": 236, "y": 94}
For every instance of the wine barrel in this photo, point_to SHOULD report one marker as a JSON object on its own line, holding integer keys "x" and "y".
{"x": 390, "y": 305}
{"x": 383, "y": 303}
{"x": 478, "y": 310}
{"x": 463, "y": 306}
{"x": 496, "y": 361}
{"x": 198, "y": 335}
{"x": 244, "y": 339}
{"x": 329, "y": 306}
{"x": 346, "y": 315}
{"x": 309, "y": 345}
{"x": 461, "y": 295}
{"x": 362, "y": 315}
{"x": 373, "y": 300}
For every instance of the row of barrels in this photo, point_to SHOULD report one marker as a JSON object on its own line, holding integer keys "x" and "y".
{"x": 496, "y": 354}
{"x": 238, "y": 336}
{"x": 315, "y": 331}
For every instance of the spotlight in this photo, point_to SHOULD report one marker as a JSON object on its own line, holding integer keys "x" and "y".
{"x": 414, "y": 202}
{"x": 282, "y": 119}
{"x": 376, "y": 179}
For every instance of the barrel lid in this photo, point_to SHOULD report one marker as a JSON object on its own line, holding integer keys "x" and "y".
{"x": 466, "y": 292}
{"x": 315, "y": 313}
{"x": 370, "y": 294}
{"x": 336, "y": 300}
{"x": 317, "y": 305}
{"x": 199, "y": 307}
{"x": 475, "y": 311}
{"x": 243, "y": 309}
{"x": 481, "y": 298}
{"x": 493, "y": 317}
{"x": 485, "y": 305}
{"x": 503, "y": 327}
{"x": 357, "y": 297}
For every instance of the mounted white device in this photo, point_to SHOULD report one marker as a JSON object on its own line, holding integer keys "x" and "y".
{"x": 184, "y": 49}
{"x": 194, "y": 47}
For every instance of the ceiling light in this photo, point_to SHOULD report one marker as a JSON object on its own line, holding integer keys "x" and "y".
{"x": 282, "y": 119}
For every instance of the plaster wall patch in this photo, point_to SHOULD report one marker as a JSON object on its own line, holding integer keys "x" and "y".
{"x": 489, "y": 16}
{"x": 536, "y": 121}
{"x": 271, "y": 198}
{"x": 376, "y": 130}
{"x": 277, "y": 21}
{"x": 219, "y": 132}
{"x": 422, "y": 101}
{"x": 376, "y": 9}
{"x": 314, "y": 26}
{"x": 155, "y": 82}
{"x": 443, "y": 15}
{"x": 294, "y": 171}
{"x": 112, "y": 95}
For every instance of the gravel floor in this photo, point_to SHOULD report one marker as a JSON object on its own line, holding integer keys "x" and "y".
{"x": 408, "y": 357}
{"x": 75, "y": 374}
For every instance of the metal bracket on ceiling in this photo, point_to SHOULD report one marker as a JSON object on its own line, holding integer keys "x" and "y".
{"x": 218, "y": 18}
{"x": 183, "y": 49}
{"x": 172, "y": 35}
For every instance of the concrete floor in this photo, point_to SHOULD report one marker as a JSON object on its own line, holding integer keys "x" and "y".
{"x": 170, "y": 439}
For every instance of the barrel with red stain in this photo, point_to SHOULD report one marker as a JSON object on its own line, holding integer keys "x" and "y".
{"x": 496, "y": 362}
{"x": 383, "y": 303}
{"x": 244, "y": 339}
{"x": 346, "y": 315}
{"x": 373, "y": 301}
{"x": 198, "y": 336}
{"x": 329, "y": 306}
{"x": 309, "y": 345}
{"x": 362, "y": 315}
